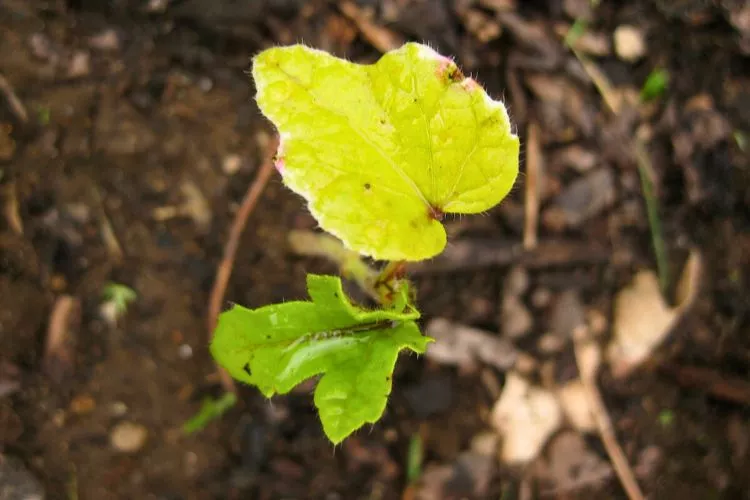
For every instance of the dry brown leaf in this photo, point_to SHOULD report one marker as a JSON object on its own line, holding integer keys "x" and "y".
{"x": 570, "y": 465}
{"x": 466, "y": 347}
{"x": 525, "y": 416}
{"x": 576, "y": 406}
{"x": 643, "y": 319}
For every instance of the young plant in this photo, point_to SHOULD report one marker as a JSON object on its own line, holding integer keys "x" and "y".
{"x": 380, "y": 153}
{"x": 117, "y": 297}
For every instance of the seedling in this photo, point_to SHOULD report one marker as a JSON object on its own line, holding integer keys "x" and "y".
{"x": 119, "y": 296}
{"x": 666, "y": 418}
{"x": 381, "y": 153}
{"x": 44, "y": 114}
{"x": 211, "y": 409}
{"x": 655, "y": 85}
{"x": 576, "y": 31}
{"x": 414, "y": 458}
{"x": 740, "y": 139}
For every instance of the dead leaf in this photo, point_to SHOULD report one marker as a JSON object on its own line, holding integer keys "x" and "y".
{"x": 581, "y": 200}
{"x": 576, "y": 406}
{"x": 570, "y": 464}
{"x": 515, "y": 318}
{"x": 469, "y": 475}
{"x": 643, "y": 319}
{"x": 576, "y": 157}
{"x": 466, "y": 347}
{"x": 525, "y": 416}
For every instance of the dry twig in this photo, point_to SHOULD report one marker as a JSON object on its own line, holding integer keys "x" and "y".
{"x": 717, "y": 384}
{"x": 533, "y": 171}
{"x": 15, "y": 104}
{"x": 114, "y": 249}
{"x": 380, "y": 38}
{"x": 350, "y": 263}
{"x": 224, "y": 270}
{"x": 475, "y": 254}
{"x": 588, "y": 358}
{"x": 58, "y": 350}
{"x": 11, "y": 208}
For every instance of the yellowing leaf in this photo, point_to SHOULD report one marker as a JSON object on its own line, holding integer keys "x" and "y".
{"x": 382, "y": 151}
{"x": 278, "y": 346}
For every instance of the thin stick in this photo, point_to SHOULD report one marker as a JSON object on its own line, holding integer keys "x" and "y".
{"x": 350, "y": 263}
{"x": 11, "y": 209}
{"x": 58, "y": 349}
{"x": 16, "y": 106}
{"x": 108, "y": 232}
{"x": 381, "y": 38}
{"x": 224, "y": 271}
{"x": 533, "y": 167}
{"x": 588, "y": 358}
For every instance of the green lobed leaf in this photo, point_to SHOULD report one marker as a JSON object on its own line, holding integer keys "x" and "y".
{"x": 382, "y": 151}
{"x": 278, "y": 346}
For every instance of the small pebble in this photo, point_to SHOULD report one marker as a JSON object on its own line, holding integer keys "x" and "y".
{"x": 41, "y": 47}
{"x": 57, "y": 282}
{"x": 157, "y": 6}
{"x": 577, "y": 157}
{"x": 550, "y": 343}
{"x": 58, "y": 418}
{"x": 185, "y": 352}
{"x": 205, "y": 84}
{"x": 516, "y": 320}
{"x": 80, "y": 64}
{"x": 82, "y": 404}
{"x": 106, "y": 41}
{"x": 630, "y": 44}
{"x": 582, "y": 199}
{"x": 128, "y": 437}
{"x": 118, "y": 409}
{"x": 517, "y": 281}
{"x": 541, "y": 298}
{"x": 231, "y": 164}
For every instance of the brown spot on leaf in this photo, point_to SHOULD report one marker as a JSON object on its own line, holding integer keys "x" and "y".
{"x": 435, "y": 213}
{"x": 454, "y": 74}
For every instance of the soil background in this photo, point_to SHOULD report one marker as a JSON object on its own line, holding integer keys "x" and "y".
{"x": 129, "y": 135}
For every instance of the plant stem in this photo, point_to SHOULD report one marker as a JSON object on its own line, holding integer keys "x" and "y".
{"x": 350, "y": 263}
{"x": 645, "y": 171}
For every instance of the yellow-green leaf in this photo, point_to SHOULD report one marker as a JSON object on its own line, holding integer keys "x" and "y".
{"x": 382, "y": 151}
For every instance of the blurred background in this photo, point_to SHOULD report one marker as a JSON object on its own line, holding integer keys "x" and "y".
{"x": 602, "y": 306}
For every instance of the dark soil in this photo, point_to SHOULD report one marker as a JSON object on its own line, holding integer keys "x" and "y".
{"x": 140, "y": 140}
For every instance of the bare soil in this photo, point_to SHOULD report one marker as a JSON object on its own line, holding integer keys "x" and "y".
{"x": 140, "y": 139}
